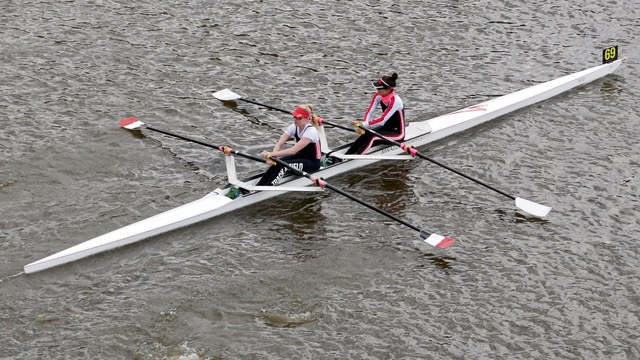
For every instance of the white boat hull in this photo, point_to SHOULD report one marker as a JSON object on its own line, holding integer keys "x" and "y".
{"x": 417, "y": 134}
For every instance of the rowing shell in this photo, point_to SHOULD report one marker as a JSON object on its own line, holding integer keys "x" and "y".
{"x": 417, "y": 134}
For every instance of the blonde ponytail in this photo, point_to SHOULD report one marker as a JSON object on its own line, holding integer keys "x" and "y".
{"x": 311, "y": 110}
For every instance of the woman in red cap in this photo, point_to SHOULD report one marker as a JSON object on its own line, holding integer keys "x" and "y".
{"x": 391, "y": 123}
{"x": 304, "y": 155}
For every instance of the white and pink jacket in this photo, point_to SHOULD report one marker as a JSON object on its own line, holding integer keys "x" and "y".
{"x": 392, "y": 118}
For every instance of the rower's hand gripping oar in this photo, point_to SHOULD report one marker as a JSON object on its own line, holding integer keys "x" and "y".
{"x": 436, "y": 240}
{"x": 523, "y": 204}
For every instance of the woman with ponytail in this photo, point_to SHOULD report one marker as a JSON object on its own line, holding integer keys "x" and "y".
{"x": 390, "y": 123}
{"x": 304, "y": 155}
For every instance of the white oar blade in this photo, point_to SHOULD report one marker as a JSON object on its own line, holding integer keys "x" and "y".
{"x": 439, "y": 241}
{"x": 532, "y": 208}
{"x": 226, "y": 95}
{"x": 131, "y": 123}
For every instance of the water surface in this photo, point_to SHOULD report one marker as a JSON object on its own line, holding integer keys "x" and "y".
{"x": 315, "y": 275}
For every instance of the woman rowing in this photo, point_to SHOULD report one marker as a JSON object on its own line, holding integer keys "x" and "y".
{"x": 304, "y": 155}
{"x": 390, "y": 123}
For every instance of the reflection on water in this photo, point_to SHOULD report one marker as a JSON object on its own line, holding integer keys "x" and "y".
{"x": 255, "y": 119}
{"x": 137, "y": 134}
{"x": 443, "y": 262}
{"x": 304, "y": 215}
{"x": 7, "y": 183}
{"x": 289, "y": 320}
{"x": 300, "y": 224}
{"x": 385, "y": 185}
{"x": 520, "y": 217}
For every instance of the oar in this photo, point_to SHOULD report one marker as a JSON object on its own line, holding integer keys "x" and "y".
{"x": 523, "y": 204}
{"x": 228, "y": 95}
{"x": 529, "y": 206}
{"x": 133, "y": 123}
{"x": 436, "y": 240}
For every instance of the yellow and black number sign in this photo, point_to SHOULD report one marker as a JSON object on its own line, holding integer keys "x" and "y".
{"x": 610, "y": 54}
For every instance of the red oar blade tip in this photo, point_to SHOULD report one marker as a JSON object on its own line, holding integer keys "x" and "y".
{"x": 439, "y": 241}
{"x": 130, "y": 123}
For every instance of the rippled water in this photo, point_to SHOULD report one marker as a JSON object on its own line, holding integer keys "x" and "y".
{"x": 317, "y": 276}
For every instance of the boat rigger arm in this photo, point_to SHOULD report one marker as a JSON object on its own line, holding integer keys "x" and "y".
{"x": 233, "y": 180}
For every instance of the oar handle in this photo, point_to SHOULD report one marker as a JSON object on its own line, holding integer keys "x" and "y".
{"x": 228, "y": 150}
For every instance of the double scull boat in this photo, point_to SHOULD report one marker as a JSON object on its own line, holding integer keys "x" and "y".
{"x": 417, "y": 134}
